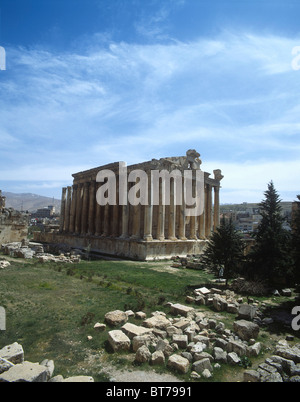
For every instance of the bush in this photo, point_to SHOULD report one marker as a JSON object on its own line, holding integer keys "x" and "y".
{"x": 247, "y": 287}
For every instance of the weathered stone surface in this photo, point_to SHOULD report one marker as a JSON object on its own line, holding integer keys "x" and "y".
{"x": 251, "y": 376}
{"x": 142, "y": 355}
{"x": 200, "y": 365}
{"x": 236, "y": 346}
{"x": 290, "y": 353}
{"x": 115, "y": 318}
{"x": 132, "y": 330}
{"x": 25, "y": 372}
{"x": 49, "y": 364}
{"x": 246, "y": 329}
{"x": 182, "y": 323}
{"x": 247, "y": 311}
{"x": 254, "y": 350}
{"x": 14, "y": 353}
{"x": 5, "y": 365}
{"x": 219, "y": 303}
{"x": 220, "y": 355}
{"x": 157, "y": 321}
{"x": 180, "y": 340}
{"x": 179, "y": 363}
{"x": 181, "y": 309}
{"x": 118, "y": 340}
{"x": 141, "y": 340}
{"x": 79, "y": 378}
{"x": 164, "y": 346}
{"x": 233, "y": 358}
{"x": 99, "y": 327}
{"x": 157, "y": 358}
{"x": 197, "y": 347}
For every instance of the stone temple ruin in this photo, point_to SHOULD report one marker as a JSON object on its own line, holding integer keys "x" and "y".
{"x": 13, "y": 224}
{"x": 145, "y": 231}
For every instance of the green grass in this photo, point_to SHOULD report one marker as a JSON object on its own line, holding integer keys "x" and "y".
{"x": 52, "y": 308}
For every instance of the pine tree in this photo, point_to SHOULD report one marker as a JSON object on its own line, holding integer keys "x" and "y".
{"x": 296, "y": 242}
{"x": 225, "y": 250}
{"x": 269, "y": 257}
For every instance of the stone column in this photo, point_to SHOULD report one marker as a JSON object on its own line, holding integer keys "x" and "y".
{"x": 92, "y": 208}
{"x": 193, "y": 235}
{"x": 181, "y": 231}
{"x": 161, "y": 212}
{"x": 78, "y": 208}
{"x": 208, "y": 216}
{"x": 125, "y": 216}
{"x": 201, "y": 223}
{"x": 62, "y": 209}
{"x": 73, "y": 209}
{"x": 136, "y": 229}
{"x": 148, "y": 217}
{"x": 98, "y": 219}
{"x": 115, "y": 212}
{"x": 68, "y": 210}
{"x": 105, "y": 226}
{"x": 85, "y": 204}
{"x": 216, "y": 207}
{"x": 172, "y": 211}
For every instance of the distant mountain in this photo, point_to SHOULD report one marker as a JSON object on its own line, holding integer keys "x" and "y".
{"x": 29, "y": 202}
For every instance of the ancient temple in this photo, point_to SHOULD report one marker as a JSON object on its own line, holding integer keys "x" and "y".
{"x": 157, "y": 224}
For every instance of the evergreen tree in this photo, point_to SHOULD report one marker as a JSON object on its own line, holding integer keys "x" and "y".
{"x": 270, "y": 257}
{"x": 296, "y": 242}
{"x": 225, "y": 250}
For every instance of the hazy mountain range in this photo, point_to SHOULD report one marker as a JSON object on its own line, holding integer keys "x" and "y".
{"x": 29, "y": 202}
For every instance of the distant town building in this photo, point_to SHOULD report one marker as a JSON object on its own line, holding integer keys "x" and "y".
{"x": 46, "y": 212}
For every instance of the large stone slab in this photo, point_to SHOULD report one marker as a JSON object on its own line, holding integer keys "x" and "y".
{"x": 132, "y": 330}
{"x": 25, "y": 372}
{"x": 13, "y": 353}
{"x": 115, "y": 318}
{"x": 179, "y": 363}
{"x": 157, "y": 321}
{"x": 181, "y": 309}
{"x": 118, "y": 340}
{"x": 246, "y": 329}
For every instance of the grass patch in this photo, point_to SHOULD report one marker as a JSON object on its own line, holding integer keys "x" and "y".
{"x": 52, "y": 308}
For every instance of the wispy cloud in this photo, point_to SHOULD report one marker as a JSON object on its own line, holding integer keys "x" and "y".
{"x": 233, "y": 97}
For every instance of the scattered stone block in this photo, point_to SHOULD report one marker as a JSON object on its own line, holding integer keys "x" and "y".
{"x": 180, "y": 340}
{"x": 157, "y": 358}
{"x": 181, "y": 309}
{"x": 179, "y": 363}
{"x": 142, "y": 355}
{"x": 132, "y": 330}
{"x": 200, "y": 365}
{"x": 13, "y": 353}
{"x": 99, "y": 327}
{"x": 25, "y": 372}
{"x": 118, "y": 340}
{"x": 246, "y": 329}
{"x": 115, "y": 318}
{"x": 157, "y": 321}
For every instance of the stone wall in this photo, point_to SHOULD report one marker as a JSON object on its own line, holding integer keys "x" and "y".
{"x": 13, "y": 224}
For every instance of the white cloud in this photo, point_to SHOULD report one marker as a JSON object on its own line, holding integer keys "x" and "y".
{"x": 233, "y": 97}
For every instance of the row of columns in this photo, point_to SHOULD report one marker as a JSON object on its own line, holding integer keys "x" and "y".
{"x": 82, "y": 215}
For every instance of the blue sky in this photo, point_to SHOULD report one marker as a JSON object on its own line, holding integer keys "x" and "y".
{"x": 89, "y": 82}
